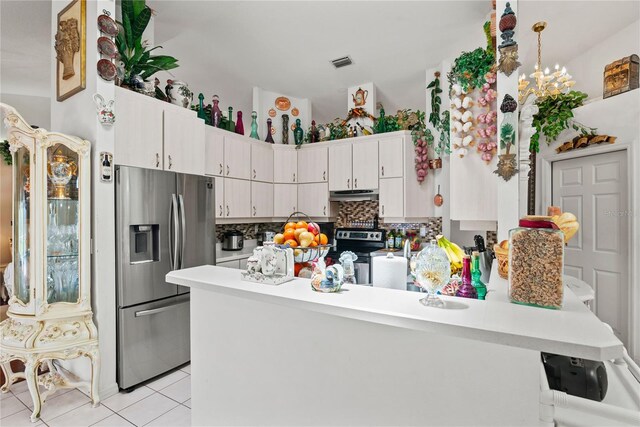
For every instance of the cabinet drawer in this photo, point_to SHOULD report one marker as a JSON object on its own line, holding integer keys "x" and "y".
{"x": 229, "y": 264}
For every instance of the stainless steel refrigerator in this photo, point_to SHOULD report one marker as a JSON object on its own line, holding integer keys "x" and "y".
{"x": 164, "y": 221}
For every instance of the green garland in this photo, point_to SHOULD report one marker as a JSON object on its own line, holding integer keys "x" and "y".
{"x": 436, "y": 101}
{"x": 443, "y": 127}
{"x": 5, "y": 152}
{"x": 470, "y": 68}
{"x": 555, "y": 114}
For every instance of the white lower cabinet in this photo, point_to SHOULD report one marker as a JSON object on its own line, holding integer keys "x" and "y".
{"x": 391, "y": 204}
{"x": 219, "y": 197}
{"x": 237, "y": 198}
{"x": 285, "y": 164}
{"x": 313, "y": 199}
{"x": 261, "y": 199}
{"x": 285, "y": 199}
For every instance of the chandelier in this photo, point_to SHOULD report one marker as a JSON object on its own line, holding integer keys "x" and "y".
{"x": 546, "y": 83}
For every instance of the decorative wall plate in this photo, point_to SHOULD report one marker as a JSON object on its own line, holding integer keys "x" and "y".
{"x": 107, "y": 47}
{"x": 272, "y": 113}
{"x": 107, "y": 25}
{"x": 106, "y": 69}
{"x": 295, "y": 112}
{"x": 282, "y": 103}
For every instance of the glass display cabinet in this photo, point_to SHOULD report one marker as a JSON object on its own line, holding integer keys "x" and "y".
{"x": 49, "y": 315}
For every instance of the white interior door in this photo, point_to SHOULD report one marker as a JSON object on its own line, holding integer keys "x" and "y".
{"x": 594, "y": 188}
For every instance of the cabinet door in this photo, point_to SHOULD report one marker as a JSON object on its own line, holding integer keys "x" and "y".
{"x": 285, "y": 165}
{"x": 365, "y": 165}
{"x": 261, "y": 162}
{"x": 312, "y": 165}
{"x": 261, "y": 199}
{"x": 340, "y": 167}
{"x": 219, "y": 196}
{"x": 237, "y": 198}
{"x": 184, "y": 150}
{"x": 237, "y": 157}
{"x": 285, "y": 199}
{"x": 138, "y": 139}
{"x": 391, "y": 198}
{"x": 391, "y": 165}
{"x": 214, "y": 151}
{"x": 313, "y": 199}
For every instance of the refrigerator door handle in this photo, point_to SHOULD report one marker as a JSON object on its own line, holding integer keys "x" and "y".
{"x": 158, "y": 310}
{"x": 173, "y": 230}
{"x": 183, "y": 231}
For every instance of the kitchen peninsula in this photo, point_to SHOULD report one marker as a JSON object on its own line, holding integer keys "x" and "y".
{"x": 286, "y": 355}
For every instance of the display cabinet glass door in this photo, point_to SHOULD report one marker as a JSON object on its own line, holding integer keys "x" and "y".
{"x": 62, "y": 225}
{"x": 22, "y": 225}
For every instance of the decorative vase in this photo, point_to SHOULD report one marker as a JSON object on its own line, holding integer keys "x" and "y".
{"x": 254, "y": 125}
{"x": 105, "y": 110}
{"x": 60, "y": 171}
{"x": 216, "y": 113}
{"x": 178, "y": 93}
{"x": 432, "y": 271}
{"x": 285, "y": 129}
{"x": 298, "y": 133}
{"x": 239, "y": 124}
{"x": 269, "y": 137}
{"x": 231, "y": 126}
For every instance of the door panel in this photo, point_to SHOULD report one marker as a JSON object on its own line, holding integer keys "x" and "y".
{"x": 594, "y": 188}
{"x": 184, "y": 148}
{"x": 261, "y": 199}
{"x": 312, "y": 165}
{"x": 219, "y": 194}
{"x": 261, "y": 162}
{"x": 237, "y": 157}
{"x": 365, "y": 165}
{"x": 285, "y": 199}
{"x": 285, "y": 166}
{"x": 391, "y": 198}
{"x": 214, "y": 152}
{"x": 313, "y": 199}
{"x": 390, "y": 151}
{"x": 340, "y": 167}
{"x": 143, "y": 201}
{"x": 237, "y": 198}
{"x": 152, "y": 339}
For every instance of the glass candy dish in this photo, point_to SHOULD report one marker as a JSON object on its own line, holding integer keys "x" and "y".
{"x": 432, "y": 273}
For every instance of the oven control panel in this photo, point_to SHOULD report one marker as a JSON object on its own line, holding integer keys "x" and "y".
{"x": 365, "y": 235}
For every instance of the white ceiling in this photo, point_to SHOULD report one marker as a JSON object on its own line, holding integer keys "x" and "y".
{"x": 229, "y": 47}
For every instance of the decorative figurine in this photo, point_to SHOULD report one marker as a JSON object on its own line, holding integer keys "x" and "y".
{"x": 285, "y": 129}
{"x": 216, "y": 113}
{"x": 507, "y": 166}
{"x": 201, "y": 112}
{"x": 239, "y": 124}
{"x": 314, "y": 136}
{"x": 508, "y": 49}
{"x": 254, "y": 125}
{"x": 269, "y": 138}
{"x": 347, "y": 258}
{"x": 105, "y": 110}
{"x": 231, "y": 126}
{"x": 298, "y": 134}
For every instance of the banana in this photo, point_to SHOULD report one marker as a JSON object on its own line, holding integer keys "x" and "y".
{"x": 452, "y": 250}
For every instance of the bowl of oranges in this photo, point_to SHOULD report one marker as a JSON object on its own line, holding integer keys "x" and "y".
{"x": 304, "y": 237}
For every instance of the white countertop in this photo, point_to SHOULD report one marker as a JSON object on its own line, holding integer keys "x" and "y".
{"x": 573, "y": 331}
{"x": 245, "y": 252}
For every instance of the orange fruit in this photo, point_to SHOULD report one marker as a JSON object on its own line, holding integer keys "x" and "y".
{"x": 290, "y": 225}
{"x": 313, "y": 244}
{"x": 302, "y": 224}
{"x": 323, "y": 239}
{"x": 279, "y": 239}
{"x": 291, "y": 243}
{"x": 289, "y": 234}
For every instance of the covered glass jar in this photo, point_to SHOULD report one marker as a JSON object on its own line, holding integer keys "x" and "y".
{"x": 536, "y": 257}
{"x": 432, "y": 272}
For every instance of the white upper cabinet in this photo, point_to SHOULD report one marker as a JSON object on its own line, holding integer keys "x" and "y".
{"x": 261, "y": 162}
{"x": 312, "y": 164}
{"x": 214, "y": 151}
{"x": 285, "y": 165}
{"x": 391, "y": 155}
{"x": 391, "y": 204}
{"x": 261, "y": 199}
{"x": 237, "y": 198}
{"x": 237, "y": 157}
{"x": 285, "y": 199}
{"x": 184, "y": 147}
{"x": 313, "y": 199}
{"x": 365, "y": 165}
{"x": 219, "y": 197}
{"x": 340, "y": 167}
{"x": 138, "y": 130}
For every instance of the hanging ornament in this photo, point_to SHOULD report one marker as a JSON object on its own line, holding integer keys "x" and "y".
{"x": 508, "y": 49}
{"x": 507, "y": 165}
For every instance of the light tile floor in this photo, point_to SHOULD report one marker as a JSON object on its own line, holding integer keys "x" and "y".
{"x": 165, "y": 401}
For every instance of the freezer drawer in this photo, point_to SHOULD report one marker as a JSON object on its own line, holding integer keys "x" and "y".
{"x": 152, "y": 339}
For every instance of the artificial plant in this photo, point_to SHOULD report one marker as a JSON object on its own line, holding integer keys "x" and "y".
{"x": 555, "y": 114}
{"x": 135, "y": 53}
{"x": 470, "y": 68}
{"x": 443, "y": 127}
{"x": 5, "y": 152}
{"x": 436, "y": 101}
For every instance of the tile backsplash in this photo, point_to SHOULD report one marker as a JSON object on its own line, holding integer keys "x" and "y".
{"x": 249, "y": 230}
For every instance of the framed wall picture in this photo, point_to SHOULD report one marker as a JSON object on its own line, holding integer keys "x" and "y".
{"x": 70, "y": 45}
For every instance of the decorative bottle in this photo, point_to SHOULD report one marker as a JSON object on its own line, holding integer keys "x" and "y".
{"x": 315, "y": 134}
{"x": 476, "y": 274}
{"x": 231, "y": 126}
{"x": 216, "y": 113}
{"x": 466, "y": 289}
{"x": 254, "y": 125}
{"x": 285, "y": 129}
{"x": 239, "y": 124}
{"x": 269, "y": 138}
{"x": 298, "y": 134}
{"x": 201, "y": 112}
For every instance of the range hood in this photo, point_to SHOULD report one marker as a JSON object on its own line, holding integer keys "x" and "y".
{"x": 353, "y": 195}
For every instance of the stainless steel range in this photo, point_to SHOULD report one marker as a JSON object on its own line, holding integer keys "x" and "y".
{"x": 362, "y": 242}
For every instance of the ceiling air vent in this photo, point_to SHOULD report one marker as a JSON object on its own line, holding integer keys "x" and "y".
{"x": 342, "y": 62}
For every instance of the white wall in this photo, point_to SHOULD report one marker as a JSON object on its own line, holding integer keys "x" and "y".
{"x": 587, "y": 68}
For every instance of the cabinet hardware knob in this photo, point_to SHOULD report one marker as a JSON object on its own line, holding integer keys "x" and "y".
{"x": 220, "y": 210}
{"x": 228, "y": 210}
{"x": 324, "y": 211}
{"x": 348, "y": 182}
{"x": 157, "y": 160}
{"x": 220, "y": 169}
{"x": 324, "y": 175}
{"x": 294, "y": 177}
{"x": 227, "y": 169}
{"x": 254, "y": 174}
{"x": 355, "y": 182}
{"x": 170, "y": 162}
{"x": 254, "y": 211}
{"x": 382, "y": 170}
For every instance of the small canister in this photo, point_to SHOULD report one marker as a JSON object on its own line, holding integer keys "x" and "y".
{"x": 536, "y": 257}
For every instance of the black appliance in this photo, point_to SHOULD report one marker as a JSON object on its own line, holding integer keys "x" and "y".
{"x": 575, "y": 376}
{"x": 362, "y": 242}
